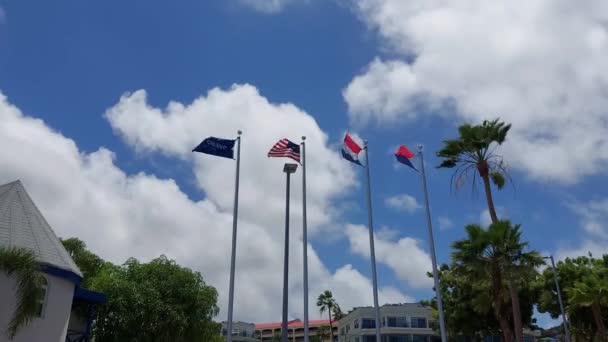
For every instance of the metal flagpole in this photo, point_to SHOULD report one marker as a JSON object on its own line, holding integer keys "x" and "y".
{"x": 234, "y": 222}
{"x": 561, "y": 303}
{"x": 371, "y": 243}
{"x": 444, "y": 337}
{"x": 305, "y": 239}
{"x": 288, "y": 169}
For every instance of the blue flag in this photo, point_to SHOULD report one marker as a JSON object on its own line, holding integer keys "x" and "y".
{"x": 217, "y": 147}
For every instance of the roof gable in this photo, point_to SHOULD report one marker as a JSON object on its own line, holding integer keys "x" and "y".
{"x": 23, "y": 226}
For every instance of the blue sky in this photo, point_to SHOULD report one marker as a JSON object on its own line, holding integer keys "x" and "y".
{"x": 68, "y": 62}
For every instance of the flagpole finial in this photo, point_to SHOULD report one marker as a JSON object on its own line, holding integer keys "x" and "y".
{"x": 303, "y": 137}
{"x": 239, "y": 132}
{"x": 365, "y": 143}
{"x": 420, "y": 148}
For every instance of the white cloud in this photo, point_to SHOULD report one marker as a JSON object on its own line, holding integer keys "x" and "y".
{"x": 175, "y": 130}
{"x": 405, "y": 257}
{"x": 403, "y": 202}
{"x": 593, "y": 217}
{"x": 120, "y": 215}
{"x": 538, "y": 64}
{"x": 445, "y": 223}
{"x": 351, "y": 288}
{"x": 269, "y": 6}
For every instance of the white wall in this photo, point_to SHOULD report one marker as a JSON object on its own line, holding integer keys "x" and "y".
{"x": 52, "y": 326}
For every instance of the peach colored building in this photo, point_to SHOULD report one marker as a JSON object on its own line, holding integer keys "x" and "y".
{"x": 266, "y": 331}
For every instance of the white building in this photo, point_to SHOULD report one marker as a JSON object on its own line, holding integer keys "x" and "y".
{"x": 409, "y": 322}
{"x": 23, "y": 226}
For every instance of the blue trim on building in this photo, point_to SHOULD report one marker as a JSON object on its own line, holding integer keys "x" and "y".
{"x": 89, "y": 296}
{"x": 61, "y": 273}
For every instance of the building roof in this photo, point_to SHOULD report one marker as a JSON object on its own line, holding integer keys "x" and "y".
{"x": 296, "y": 323}
{"x": 23, "y": 226}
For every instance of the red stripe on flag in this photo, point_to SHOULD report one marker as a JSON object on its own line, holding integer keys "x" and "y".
{"x": 351, "y": 144}
{"x": 403, "y": 151}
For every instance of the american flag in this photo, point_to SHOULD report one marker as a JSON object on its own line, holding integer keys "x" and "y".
{"x": 285, "y": 148}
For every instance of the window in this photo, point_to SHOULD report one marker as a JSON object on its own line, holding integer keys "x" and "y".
{"x": 418, "y": 322}
{"x": 398, "y": 338}
{"x": 434, "y": 325}
{"x": 347, "y": 328}
{"x": 371, "y": 338}
{"x": 341, "y": 331}
{"x": 42, "y": 298}
{"x": 397, "y": 322}
{"x": 367, "y": 323}
{"x": 356, "y": 324}
{"x": 420, "y": 338}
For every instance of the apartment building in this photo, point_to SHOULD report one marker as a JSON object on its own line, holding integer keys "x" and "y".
{"x": 241, "y": 331}
{"x": 410, "y": 322}
{"x": 267, "y": 331}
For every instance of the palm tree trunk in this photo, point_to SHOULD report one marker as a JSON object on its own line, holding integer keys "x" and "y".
{"x": 484, "y": 173}
{"x": 499, "y": 310}
{"x": 516, "y": 312}
{"x": 599, "y": 323}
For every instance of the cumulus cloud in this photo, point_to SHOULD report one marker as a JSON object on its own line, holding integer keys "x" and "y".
{"x": 176, "y": 129}
{"x": 405, "y": 257}
{"x": 403, "y": 202}
{"x": 540, "y": 65}
{"x": 269, "y": 6}
{"x": 593, "y": 216}
{"x": 120, "y": 215}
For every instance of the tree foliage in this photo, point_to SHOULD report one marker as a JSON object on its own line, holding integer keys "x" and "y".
{"x": 473, "y": 154}
{"x": 583, "y": 282}
{"x": 21, "y": 263}
{"x": 88, "y": 263}
{"x": 493, "y": 257}
{"x": 327, "y": 303}
{"x": 156, "y": 301}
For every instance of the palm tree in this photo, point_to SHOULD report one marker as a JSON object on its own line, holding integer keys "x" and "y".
{"x": 23, "y": 265}
{"x": 338, "y": 314}
{"x": 591, "y": 291}
{"x": 327, "y": 303}
{"x": 496, "y": 254}
{"x": 474, "y": 152}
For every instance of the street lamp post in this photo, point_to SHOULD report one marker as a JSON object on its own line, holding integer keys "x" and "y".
{"x": 288, "y": 169}
{"x": 559, "y": 298}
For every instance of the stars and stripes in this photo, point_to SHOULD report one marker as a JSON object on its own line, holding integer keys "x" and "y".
{"x": 285, "y": 148}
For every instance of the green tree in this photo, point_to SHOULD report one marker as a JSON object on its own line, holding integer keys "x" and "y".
{"x": 327, "y": 303}
{"x": 592, "y": 291}
{"x": 88, "y": 263}
{"x": 21, "y": 263}
{"x": 156, "y": 301}
{"x": 474, "y": 154}
{"x": 571, "y": 271}
{"x": 338, "y": 314}
{"x": 467, "y": 305}
{"x": 495, "y": 257}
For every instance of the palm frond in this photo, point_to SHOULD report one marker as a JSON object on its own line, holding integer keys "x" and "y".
{"x": 23, "y": 265}
{"x": 476, "y": 145}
